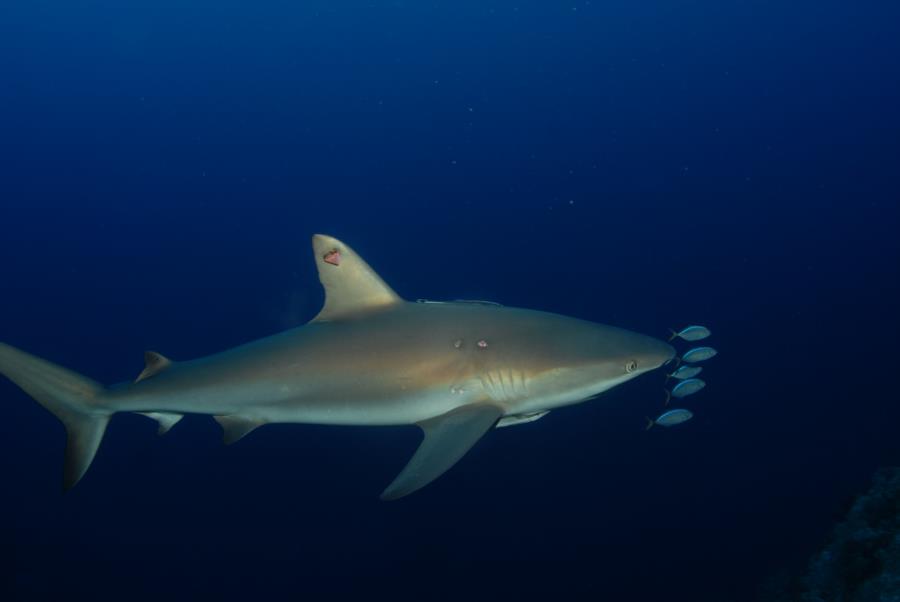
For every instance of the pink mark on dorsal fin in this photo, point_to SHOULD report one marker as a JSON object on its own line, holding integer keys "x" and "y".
{"x": 333, "y": 257}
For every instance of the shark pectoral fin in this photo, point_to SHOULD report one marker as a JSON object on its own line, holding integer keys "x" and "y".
{"x": 154, "y": 363}
{"x": 447, "y": 439}
{"x": 351, "y": 286}
{"x": 166, "y": 421}
{"x": 235, "y": 428}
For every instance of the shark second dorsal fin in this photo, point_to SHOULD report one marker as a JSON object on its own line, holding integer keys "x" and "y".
{"x": 154, "y": 363}
{"x": 351, "y": 286}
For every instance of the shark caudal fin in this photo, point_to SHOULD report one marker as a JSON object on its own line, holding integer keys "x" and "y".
{"x": 69, "y": 396}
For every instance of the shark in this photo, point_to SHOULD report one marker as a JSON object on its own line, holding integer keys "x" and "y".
{"x": 455, "y": 369}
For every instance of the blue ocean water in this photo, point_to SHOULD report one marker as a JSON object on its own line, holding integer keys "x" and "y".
{"x": 647, "y": 165}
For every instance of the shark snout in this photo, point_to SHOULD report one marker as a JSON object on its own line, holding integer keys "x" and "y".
{"x": 656, "y": 353}
{"x": 665, "y": 354}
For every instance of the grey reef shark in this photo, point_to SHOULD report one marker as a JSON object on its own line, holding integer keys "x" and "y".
{"x": 456, "y": 369}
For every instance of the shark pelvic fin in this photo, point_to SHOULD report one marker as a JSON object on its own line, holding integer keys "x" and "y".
{"x": 154, "y": 363}
{"x": 235, "y": 428}
{"x": 447, "y": 439}
{"x": 351, "y": 286}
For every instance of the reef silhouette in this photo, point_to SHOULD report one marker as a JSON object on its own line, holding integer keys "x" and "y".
{"x": 860, "y": 561}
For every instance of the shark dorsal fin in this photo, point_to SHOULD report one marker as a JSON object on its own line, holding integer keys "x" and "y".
{"x": 154, "y": 363}
{"x": 351, "y": 286}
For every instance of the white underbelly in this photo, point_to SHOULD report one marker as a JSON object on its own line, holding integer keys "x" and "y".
{"x": 404, "y": 408}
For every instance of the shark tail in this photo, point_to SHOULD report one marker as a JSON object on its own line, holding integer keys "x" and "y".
{"x": 67, "y": 395}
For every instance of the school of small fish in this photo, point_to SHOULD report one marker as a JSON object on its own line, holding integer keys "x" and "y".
{"x": 686, "y": 375}
{"x": 685, "y": 372}
{"x": 670, "y": 418}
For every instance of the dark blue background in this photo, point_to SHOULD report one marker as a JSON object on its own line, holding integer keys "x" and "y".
{"x": 646, "y": 164}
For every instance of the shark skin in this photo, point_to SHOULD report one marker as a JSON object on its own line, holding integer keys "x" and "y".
{"x": 369, "y": 358}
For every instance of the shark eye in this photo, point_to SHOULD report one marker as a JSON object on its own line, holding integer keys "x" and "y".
{"x": 631, "y": 366}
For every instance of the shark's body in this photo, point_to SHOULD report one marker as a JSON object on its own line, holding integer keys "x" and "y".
{"x": 369, "y": 358}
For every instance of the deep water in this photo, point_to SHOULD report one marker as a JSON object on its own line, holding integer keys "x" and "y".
{"x": 643, "y": 164}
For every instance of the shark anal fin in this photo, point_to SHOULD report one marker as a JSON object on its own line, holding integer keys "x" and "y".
{"x": 447, "y": 439}
{"x": 154, "y": 363}
{"x": 235, "y": 428}
{"x": 351, "y": 286}
{"x": 166, "y": 421}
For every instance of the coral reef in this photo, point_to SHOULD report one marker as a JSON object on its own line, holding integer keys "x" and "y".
{"x": 861, "y": 560}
